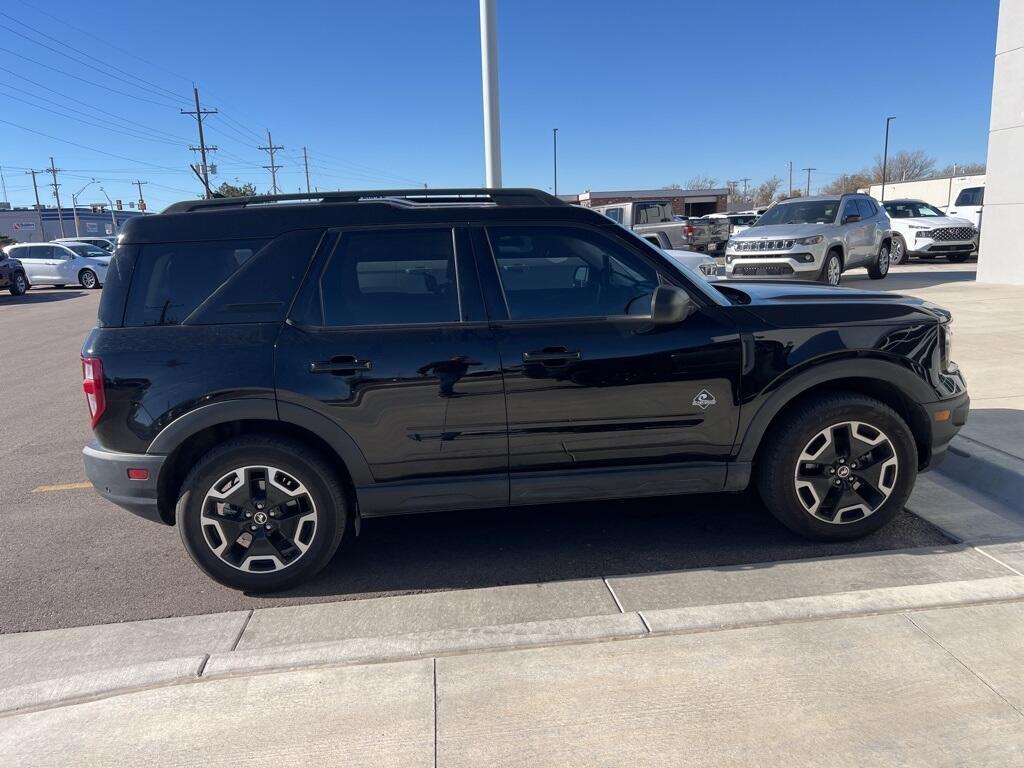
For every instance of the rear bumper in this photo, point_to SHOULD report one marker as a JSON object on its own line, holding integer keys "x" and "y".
{"x": 945, "y": 430}
{"x": 108, "y": 473}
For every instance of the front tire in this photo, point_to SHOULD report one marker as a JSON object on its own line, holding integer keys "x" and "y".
{"x": 261, "y": 513}
{"x": 19, "y": 284}
{"x": 898, "y": 254}
{"x": 832, "y": 269}
{"x": 880, "y": 268}
{"x": 842, "y": 467}
{"x": 88, "y": 280}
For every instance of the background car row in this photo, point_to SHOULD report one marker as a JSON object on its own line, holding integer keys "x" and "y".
{"x": 62, "y": 262}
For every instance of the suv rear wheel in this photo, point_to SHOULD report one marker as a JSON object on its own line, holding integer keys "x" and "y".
{"x": 880, "y": 268}
{"x": 261, "y": 513}
{"x": 841, "y": 468}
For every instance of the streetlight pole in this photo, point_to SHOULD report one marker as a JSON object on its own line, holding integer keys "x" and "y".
{"x": 885, "y": 155}
{"x": 113, "y": 221}
{"x": 489, "y": 76}
{"x": 74, "y": 203}
{"x": 554, "y": 144}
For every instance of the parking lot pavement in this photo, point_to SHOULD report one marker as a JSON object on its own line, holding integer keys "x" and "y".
{"x": 73, "y": 559}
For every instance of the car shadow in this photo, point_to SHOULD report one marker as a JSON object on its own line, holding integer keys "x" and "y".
{"x": 900, "y": 280}
{"x": 486, "y": 548}
{"x": 35, "y": 296}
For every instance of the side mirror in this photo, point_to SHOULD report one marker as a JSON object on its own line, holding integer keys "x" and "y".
{"x": 670, "y": 305}
{"x": 853, "y": 218}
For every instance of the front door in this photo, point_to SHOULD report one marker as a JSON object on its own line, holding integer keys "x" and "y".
{"x": 389, "y": 340}
{"x": 858, "y": 235}
{"x": 591, "y": 384}
{"x": 39, "y": 262}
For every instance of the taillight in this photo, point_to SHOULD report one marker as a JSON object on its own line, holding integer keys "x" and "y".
{"x": 689, "y": 230}
{"x": 92, "y": 385}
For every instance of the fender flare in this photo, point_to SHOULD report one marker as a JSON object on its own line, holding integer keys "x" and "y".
{"x": 265, "y": 409}
{"x": 911, "y": 386}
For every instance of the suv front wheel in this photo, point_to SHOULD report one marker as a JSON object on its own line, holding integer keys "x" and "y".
{"x": 261, "y": 513}
{"x": 832, "y": 269}
{"x": 842, "y": 467}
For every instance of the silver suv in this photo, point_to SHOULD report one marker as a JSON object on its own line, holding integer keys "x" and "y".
{"x": 813, "y": 238}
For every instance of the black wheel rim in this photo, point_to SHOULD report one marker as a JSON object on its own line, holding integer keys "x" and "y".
{"x": 258, "y": 519}
{"x": 846, "y": 472}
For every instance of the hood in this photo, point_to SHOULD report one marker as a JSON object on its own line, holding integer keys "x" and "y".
{"x": 782, "y": 231}
{"x": 934, "y": 221}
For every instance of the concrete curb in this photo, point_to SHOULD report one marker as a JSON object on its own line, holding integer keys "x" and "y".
{"x": 104, "y": 682}
{"x": 986, "y": 470}
{"x": 369, "y": 650}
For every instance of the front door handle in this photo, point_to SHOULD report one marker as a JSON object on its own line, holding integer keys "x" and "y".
{"x": 344, "y": 364}
{"x": 552, "y": 356}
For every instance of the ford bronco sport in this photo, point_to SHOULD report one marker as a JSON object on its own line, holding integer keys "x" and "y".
{"x": 266, "y": 375}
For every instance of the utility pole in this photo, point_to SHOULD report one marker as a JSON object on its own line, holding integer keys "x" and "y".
{"x": 808, "y": 179}
{"x": 142, "y": 200}
{"x": 305, "y": 162}
{"x": 489, "y": 77}
{"x": 34, "y": 187}
{"x": 745, "y": 188}
{"x": 885, "y": 156}
{"x": 53, "y": 171}
{"x": 199, "y": 114}
{"x": 790, "y": 178}
{"x": 554, "y": 141}
{"x": 273, "y": 166}
{"x": 3, "y": 184}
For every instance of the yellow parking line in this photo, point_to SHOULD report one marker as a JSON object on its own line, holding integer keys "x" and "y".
{"x": 61, "y": 487}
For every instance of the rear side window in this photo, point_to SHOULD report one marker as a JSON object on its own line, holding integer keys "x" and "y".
{"x": 971, "y": 196}
{"x": 867, "y": 208}
{"x": 615, "y": 214}
{"x": 223, "y": 281}
{"x": 651, "y": 213}
{"x": 391, "y": 277}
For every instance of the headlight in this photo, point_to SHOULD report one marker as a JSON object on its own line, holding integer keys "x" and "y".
{"x": 947, "y": 348}
{"x": 812, "y": 240}
{"x": 709, "y": 268}
{"x": 923, "y": 233}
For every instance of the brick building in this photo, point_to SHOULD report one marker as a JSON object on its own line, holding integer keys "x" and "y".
{"x": 687, "y": 202}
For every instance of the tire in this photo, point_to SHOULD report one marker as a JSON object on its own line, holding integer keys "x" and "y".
{"x": 19, "y": 284}
{"x": 880, "y": 268}
{"x": 88, "y": 280}
{"x": 898, "y": 254}
{"x": 285, "y": 548}
{"x": 800, "y": 492}
{"x": 957, "y": 258}
{"x": 831, "y": 273}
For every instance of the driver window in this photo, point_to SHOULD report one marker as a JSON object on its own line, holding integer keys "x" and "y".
{"x": 849, "y": 209}
{"x": 565, "y": 272}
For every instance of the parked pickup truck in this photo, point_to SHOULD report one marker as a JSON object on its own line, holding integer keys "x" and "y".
{"x": 653, "y": 221}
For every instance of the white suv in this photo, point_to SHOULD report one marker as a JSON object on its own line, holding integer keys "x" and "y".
{"x": 813, "y": 238}
{"x": 922, "y": 230}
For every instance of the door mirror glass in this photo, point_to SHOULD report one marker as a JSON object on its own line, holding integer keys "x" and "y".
{"x": 670, "y": 305}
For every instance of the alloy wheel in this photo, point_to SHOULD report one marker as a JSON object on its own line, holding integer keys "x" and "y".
{"x": 834, "y": 271}
{"x": 88, "y": 279}
{"x": 896, "y": 252}
{"x": 20, "y": 284}
{"x": 884, "y": 260}
{"x": 846, "y": 472}
{"x": 258, "y": 519}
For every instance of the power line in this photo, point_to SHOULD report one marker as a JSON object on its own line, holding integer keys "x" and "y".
{"x": 273, "y": 166}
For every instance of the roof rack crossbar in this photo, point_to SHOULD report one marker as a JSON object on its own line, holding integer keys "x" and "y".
{"x": 510, "y": 196}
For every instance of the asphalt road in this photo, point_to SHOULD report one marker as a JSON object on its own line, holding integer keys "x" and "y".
{"x": 69, "y": 558}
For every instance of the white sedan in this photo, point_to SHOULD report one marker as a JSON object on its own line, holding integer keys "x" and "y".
{"x": 922, "y": 230}
{"x": 62, "y": 263}
{"x": 701, "y": 263}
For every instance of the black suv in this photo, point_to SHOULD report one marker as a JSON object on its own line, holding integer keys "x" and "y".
{"x": 267, "y": 371}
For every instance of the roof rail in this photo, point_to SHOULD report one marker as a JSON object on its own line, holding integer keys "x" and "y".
{"x": 511, "y": 196}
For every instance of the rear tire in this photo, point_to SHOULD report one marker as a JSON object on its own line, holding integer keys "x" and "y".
{"x": 261, "y": 513}
{"x": 804, "y": 457}
{"x": 880, "y": 268}
{"x": 19, "y": 284}
{"x": 832, "y": 269}
{"x": 88, "y": 280}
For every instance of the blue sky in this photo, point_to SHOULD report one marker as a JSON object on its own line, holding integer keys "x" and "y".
{"x": 387, "y": 93}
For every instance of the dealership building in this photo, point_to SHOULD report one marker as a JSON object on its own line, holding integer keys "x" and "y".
{"x": 38, "y": 225}
{"x": 686, "y": 202}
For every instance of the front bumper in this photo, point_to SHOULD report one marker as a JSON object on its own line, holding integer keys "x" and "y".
{"x": 793, "y": 266}
{"x": 108, "y": 472}
{"x": 937, "y": 248}
{"x": 944, "y": 428}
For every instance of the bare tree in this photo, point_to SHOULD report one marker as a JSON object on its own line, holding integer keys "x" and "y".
{"x": 960, "y": 169}
{"x": 765, "y": 192}
{"x": 702, "y": 182}
{"x": 848, "y": 182}
{"x": 904, "y": 166}
{"x": 671, "y": 186}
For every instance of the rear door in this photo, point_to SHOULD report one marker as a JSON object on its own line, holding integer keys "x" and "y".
{"x": 591, "y": 384}
{"x": 389, "y": 340}
{"x": 40, "y": 266}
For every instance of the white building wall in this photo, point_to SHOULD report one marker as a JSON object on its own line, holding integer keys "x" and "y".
{"x": 938, "y": 192}
{"x": 1001, "y": 253}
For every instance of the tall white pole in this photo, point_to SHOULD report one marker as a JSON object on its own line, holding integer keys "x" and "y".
{"x": 489, "y": 74}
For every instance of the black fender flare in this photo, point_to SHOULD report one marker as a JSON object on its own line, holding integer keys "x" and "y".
{"x": 911, "y": 386}
{"x": 265, "y": 409}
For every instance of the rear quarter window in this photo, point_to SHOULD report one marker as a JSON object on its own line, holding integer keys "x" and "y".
{"x": 216, "y": 282}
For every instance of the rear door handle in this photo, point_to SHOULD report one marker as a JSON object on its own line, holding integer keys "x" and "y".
{"x": 340, "y": 364}
{"x": 552, "y": 356}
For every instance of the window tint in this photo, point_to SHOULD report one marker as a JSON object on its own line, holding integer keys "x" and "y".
{"x": 971, "y": 196}
{"x": 39, "y": 252}
{"x": 651, "y": 213}
{"x": 385, "y": 277}
{"x": 172, "y": 279}
{"x": 800, "y": 212}
{"x": 911, "y": 209}
{"x": 867, "y": 208}
{"x": 849, "y": 209}
{"x": 615, "y": 214}
{"x": 561, "y": 272}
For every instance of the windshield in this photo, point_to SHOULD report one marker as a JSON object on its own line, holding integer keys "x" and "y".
{"x": 800, "y": 212}
{"x": 910, "y": 209}
{"x": 91, "y": 251}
